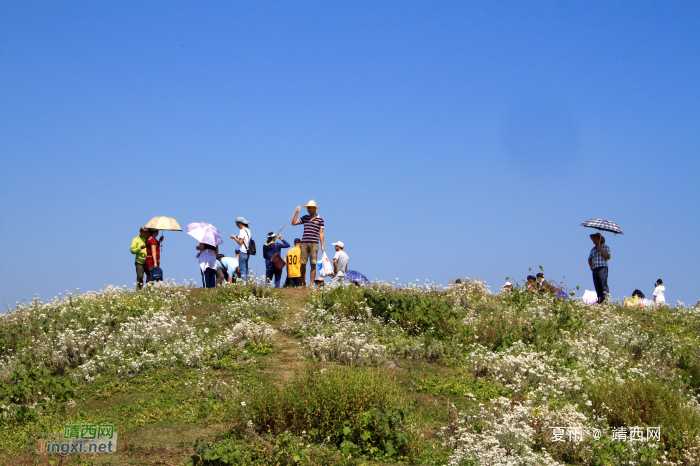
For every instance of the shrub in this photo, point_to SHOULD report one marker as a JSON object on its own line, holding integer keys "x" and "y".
{"x": 357, "y": 409}
{"x": 283, "y": 450}
{"x": 647, "y": 403}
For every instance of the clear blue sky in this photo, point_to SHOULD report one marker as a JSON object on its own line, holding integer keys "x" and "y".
{"x": 440, "y": 139}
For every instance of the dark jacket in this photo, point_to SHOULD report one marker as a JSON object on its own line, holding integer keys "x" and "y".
{"x": 270, "y": 249}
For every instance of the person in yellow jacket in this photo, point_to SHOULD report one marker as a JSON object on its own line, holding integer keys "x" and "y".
{"x": 294, "y": 265}
{"x": 138, "y": 248}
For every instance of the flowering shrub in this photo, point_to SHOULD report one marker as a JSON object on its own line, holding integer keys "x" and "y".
{"x": 355, "y": 409}
{"x": 250, "y": 307}
{"x": 119, "y": 332}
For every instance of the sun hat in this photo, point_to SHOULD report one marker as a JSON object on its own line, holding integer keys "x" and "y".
{"x": 602, "y": 238}
{"x": 242, "y": 220}
{"x": 340, "y": 244}
{"x": 507, "y": 284}
{"x": 311, "y": 203}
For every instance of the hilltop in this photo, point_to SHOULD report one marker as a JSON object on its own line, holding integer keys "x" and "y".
{"x": 372, "y": 375}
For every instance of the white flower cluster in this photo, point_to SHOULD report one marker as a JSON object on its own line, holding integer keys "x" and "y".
{"x": 506, "y": 438}
{"x": 329, "y": 337}
{"x": 250, "y": 307}
{"x": 121, "y": 332}
{"x": 519, "y": 370}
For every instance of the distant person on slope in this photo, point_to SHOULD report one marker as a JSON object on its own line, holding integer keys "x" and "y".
{"x": 340, "y": 264}
{"x": 207, "y": 264}
{"x": 152, "y": 252}
{"x": 598, "y": 262}
{"x": 531, "y": 284}
{"x": 659, "y": 290}
{"x": 226, "y": 269}
{"x": 313, "y": 233}
{"x": 243, "y": 240}
{"x": 271, "y": 248}
{"x": 294, "y": 265}
{"x": 138, "y": 248}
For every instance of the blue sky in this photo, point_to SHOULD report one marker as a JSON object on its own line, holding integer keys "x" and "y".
{"x": 440, "y": 139}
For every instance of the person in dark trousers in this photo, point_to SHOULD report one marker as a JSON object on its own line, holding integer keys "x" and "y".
{"x": 271, "y": 248}
{"x": 207, "y": 264}
{"x": 598, "y": 262}
{"x": 138, "y": 248}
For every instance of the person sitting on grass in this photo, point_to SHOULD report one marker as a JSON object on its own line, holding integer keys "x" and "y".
{"x": 531, "y": 284}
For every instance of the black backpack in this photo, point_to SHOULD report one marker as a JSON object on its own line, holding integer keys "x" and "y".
{"x": 251, "y": 245}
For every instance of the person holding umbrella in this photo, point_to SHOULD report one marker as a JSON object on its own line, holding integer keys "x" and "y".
{"x": 598, "y": 262}
{"x": 209, "y": 240}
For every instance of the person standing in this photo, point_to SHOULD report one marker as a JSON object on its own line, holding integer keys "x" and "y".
{"x": 294, "y": 265}
{"x": 243, "y": 240}
{"x": 207, "y": 264}
{"x": 313, "y": 233}
{"x": 659, "y": 290}
{"x": 340, "y": 264}
{"x": 152, "y": 252}
{"x": 271, "y": 248}
{"x": 138, "y": 248}
{"x": 598, "y": 262}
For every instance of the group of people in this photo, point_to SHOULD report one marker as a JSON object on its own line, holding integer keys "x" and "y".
{"x": 639, "y": 300}
{"x": 217, "y": 268}
{"x": 146, "y": 248}
{"x": 598, "y": 262}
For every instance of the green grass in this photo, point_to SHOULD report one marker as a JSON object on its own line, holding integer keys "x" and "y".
{"x": 260, "y": 403}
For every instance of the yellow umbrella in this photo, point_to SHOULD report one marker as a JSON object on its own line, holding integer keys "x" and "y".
{"x": 164, "y": 223}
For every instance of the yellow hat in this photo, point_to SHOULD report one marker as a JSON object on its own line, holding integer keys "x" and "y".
{"x": 311, "y": 203}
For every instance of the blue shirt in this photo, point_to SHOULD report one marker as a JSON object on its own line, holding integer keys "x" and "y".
{"x": 270, "y": 249}
{"x": 597, "y": 258}
{"x": 228, "y": 263}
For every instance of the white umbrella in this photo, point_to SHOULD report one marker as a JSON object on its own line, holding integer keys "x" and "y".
{"x": 205, "y": 233}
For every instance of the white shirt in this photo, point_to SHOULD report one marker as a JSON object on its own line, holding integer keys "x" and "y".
{"x": 659, "y": 293}
{"x": 207, "y": 259}
{"x": 245, "y": 236}
{"x": 342, "y": 262}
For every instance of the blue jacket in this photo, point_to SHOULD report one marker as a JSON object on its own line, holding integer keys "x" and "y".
{"x": 270, "y": 249}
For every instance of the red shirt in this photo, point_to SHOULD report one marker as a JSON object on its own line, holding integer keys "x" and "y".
{"x": 152, "y": 242}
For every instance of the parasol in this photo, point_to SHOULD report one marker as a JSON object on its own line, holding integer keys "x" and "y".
{"x": 163, "y": 223}
{"x": 603, "y": 225}
{"x": 205, "y": 233}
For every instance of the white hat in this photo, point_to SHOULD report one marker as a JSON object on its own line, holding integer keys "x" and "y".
{"x": 340, "y": 244}
{"x": 507, "y": 284}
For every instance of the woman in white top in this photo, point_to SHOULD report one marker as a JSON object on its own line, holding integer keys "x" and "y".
{"x": 243, "y": 241}
{"x": 207, "y": 264}
{"x": 659, "y": 292}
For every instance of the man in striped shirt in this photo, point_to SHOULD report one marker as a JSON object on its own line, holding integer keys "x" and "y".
{"x": 313, "y": 233}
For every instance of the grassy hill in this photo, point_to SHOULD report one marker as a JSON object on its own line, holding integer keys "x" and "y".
{"x": 351, "y": 376}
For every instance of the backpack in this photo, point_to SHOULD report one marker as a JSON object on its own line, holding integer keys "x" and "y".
{"x": 251, "y": 245}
